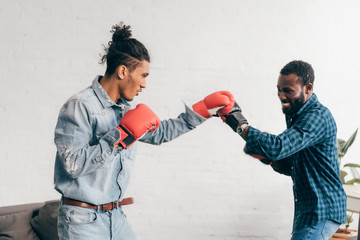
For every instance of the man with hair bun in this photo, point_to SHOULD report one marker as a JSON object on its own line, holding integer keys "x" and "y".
{"x": 306, "y": 151}
{"x": 96, "y": 137}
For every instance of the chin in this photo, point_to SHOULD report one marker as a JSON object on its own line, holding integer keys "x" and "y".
{"x": 286, "y": 110}
{"x": 129, "y": 98}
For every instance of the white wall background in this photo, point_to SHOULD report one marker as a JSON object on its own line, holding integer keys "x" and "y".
{"x": 201, "y": 185}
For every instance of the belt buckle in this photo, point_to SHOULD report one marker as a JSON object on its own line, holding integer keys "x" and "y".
{"x": 108, "y": 206}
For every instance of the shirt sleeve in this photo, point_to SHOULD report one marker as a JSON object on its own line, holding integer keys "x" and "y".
{"x": 307, "y": 130}
{"x": 173, "y": 128}
{"x": 73, "y": 134}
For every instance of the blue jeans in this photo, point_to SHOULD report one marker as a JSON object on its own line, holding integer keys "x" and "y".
{"x": 77, "y": 223}
{"x": 321, "y": 231}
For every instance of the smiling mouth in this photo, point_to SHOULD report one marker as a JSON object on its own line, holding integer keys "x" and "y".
{"x": 286, "y": 104}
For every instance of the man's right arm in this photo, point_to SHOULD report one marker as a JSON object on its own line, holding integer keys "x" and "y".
{"x": 74, "y": 132}
{"x": 73, "y": 137}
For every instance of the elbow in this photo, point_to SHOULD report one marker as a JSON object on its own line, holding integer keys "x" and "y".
{"x": 70, "y": 163}
{"x": 72, "y": 169}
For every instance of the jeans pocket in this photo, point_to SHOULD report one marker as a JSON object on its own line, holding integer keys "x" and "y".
{"x": 78, "y": 215}
{"x": 329, "y": 229}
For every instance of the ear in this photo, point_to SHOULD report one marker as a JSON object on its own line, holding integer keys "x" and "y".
{"x": 121, "y": 71}
{"x": 308, "y": 88}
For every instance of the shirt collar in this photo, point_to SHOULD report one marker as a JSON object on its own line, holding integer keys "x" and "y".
{"x": 103, "y": 97}
{"x": 313, "y": 99}
{"x": 290, "y": 118}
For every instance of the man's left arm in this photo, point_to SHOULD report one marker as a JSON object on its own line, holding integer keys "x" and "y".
{"x": 173, "y": 128}
{"x": 306, "y": 131}
{"x": 220, "y": 102}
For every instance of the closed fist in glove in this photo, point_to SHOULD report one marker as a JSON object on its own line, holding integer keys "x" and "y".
{"x": 216, "y": 103}
{"x": 136, "y": 123}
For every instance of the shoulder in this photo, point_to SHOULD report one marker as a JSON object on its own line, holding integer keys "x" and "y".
{"x": 81, "y": 100}
{"x": 321, "y": 111}
{"x": 83, "y": 96}
{"x": 320, "y": 117}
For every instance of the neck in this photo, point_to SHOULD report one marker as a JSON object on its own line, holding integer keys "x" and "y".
{"x": 109, "y": 83}
{"x": 308, "y": 97}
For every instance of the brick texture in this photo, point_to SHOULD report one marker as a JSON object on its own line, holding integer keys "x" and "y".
{"x": 201, "y": 185}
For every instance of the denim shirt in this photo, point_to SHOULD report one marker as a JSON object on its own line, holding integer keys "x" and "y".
{"x": 309, "y": 146}
{"x": 88, "y": 167}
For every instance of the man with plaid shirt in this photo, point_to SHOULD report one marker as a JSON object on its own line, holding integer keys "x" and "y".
{"x": 306, "y": 151}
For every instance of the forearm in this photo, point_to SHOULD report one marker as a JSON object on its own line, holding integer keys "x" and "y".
{"x": 276, "y": 147}
{"x": 244, "y": 133}
{"x": 173, "y": 128}
{"x": 266, "y": 145}
{"x": 82, "y": 158}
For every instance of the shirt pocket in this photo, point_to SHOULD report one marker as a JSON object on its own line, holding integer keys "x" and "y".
{"x": 103, "y": 123}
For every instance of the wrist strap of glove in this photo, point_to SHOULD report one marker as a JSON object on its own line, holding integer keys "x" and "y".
{"x": 233, "y": 119}
{"x": 126, "y": 138}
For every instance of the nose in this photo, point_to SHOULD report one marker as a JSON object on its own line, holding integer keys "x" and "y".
{"x": 281, "y": 96}
{"x": 143, "y": 84}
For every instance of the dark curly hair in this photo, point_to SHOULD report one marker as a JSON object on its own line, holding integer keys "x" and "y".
{"x": 302, "y": 69}
{"x": 123, "y": 50}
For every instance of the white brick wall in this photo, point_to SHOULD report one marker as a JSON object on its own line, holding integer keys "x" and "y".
{"x": 200, "y": 186}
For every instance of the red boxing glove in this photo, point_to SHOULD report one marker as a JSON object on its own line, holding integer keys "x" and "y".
{"x": 216, "y": 103}
{"x": 136, "y": 123}
{"x": 262, "y": 159}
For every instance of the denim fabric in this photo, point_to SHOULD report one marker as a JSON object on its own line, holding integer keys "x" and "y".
{"x": 76, "y": 223}
{"x": 87, "y": 167}
{"x": 320, "y": 231}
{"x": 309, "y": 145}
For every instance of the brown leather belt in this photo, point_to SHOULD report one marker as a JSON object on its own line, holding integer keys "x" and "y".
{"x": 104, "y": 207}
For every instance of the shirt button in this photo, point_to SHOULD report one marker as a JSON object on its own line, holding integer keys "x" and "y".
{"x": 295, "y": 199}
{"x": 292, "y": 167}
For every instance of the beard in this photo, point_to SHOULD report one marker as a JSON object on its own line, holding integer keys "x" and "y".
{"x": 295, "y": 105}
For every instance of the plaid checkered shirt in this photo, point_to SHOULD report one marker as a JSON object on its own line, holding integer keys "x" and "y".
{"x": 308, "y": 146}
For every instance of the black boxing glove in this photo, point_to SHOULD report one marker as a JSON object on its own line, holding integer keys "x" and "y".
{"x": 234, "y": 118}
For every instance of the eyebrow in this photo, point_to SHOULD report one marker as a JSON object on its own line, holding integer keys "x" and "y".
{"x": 284, "y": 88}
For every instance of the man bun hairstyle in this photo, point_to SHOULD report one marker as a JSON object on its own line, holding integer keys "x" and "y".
{"x": 303, "y": 70}
{"x": 123, "y": 50}
{"x": 120, "y": 33}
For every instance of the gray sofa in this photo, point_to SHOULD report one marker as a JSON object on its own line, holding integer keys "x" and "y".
{"x": 34, "y": 221}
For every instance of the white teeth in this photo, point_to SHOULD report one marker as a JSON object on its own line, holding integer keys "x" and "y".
{"x": 286, "y": 104}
